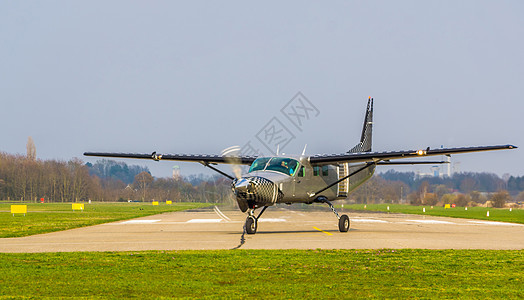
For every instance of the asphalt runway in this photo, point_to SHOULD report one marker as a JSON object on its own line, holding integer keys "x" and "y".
{"x": 279, "y": 228}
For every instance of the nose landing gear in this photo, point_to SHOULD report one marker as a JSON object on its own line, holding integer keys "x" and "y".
{"x": 252, "y": 221}
{"x": 251, "y": 225}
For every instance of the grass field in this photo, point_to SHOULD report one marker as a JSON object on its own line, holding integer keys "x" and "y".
{"x": 495, "y": 214}
{"x": 296, "y": 274}
{"x": 49, "y": 217}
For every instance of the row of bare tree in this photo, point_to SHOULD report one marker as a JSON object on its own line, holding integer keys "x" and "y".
{"x": 379, "y": 190}
{"x": 25, "y": 178}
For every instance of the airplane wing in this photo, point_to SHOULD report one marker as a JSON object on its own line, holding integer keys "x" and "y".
{"x": 377, "y": 157}
{"x": 381, "y": 157}
{"x": 203, "y": 159}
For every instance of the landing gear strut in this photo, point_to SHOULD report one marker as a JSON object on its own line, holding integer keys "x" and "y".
{"x": 252, "y": 221}
{"x": 343, "y": 221}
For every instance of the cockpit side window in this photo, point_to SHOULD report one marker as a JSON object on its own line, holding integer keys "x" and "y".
{"x": 316, "y": 171}
{"x": 287, "y": 166}
{"x": 301, "y": 172}
{"x": 259, "y": 164}
{"x": 325, "y": 171}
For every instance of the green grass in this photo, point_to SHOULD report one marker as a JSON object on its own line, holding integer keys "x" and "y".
{"x": 495, "y": 214}
{"x": 263, "y": 274}
{"x": 49, "y": 217}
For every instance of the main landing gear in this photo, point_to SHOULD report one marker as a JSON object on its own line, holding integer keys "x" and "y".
{"x": 343, "y": 221}
{"x": 252, "y": 221}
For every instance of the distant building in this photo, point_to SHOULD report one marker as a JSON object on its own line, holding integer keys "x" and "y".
{"x": 176, "y": 172}
{"x": 441, "y": 170}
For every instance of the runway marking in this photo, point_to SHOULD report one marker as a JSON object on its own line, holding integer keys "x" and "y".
{"x": 140, "y": 221}
{"x": 368, "y": 220}
{"x": 328, "y": 233}
{"x": 494, "y": 223}
{"x": 291, "y": 211}
{"x": 205, "y": 221}
{"x": 194, "y": 221}
{"x": 272, "y": 220}
{"x": 430, "y": 222}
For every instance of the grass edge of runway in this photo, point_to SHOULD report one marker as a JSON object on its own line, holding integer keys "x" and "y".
{"x": 383, "y": 273}
{"x": 51, "y": 217}
{"x": 477, "y": 213}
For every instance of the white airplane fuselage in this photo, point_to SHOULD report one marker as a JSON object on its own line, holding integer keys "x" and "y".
{"x": 266, "y": 187}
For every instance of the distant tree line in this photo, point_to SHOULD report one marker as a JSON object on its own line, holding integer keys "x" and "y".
{"x": 25, "y": 178}
{"x": 461, "y": 189}
{"x": 515, "y": 184}
{"x": 110, "y": 169}
{"x": 28, "y": 179}
{"x": 461, "y": 182}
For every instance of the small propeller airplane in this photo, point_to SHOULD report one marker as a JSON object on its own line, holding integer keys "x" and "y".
{"x": 302, "y": 178}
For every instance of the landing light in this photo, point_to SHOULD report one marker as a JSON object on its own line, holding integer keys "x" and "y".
{"x": 421, "y": 152}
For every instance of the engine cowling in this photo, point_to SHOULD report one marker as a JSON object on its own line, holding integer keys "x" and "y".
{"x": 255, "y": 191}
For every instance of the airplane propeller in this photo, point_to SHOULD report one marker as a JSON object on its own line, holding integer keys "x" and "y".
{"x": 232, "y": 157}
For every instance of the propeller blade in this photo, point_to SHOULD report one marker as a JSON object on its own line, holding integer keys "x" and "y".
{"x": 232, "y": 156}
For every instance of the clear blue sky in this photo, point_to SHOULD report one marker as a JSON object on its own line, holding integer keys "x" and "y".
{"x": 199, "y": 76}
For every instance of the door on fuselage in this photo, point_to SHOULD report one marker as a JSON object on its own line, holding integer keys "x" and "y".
{"x": 306, "y": 183}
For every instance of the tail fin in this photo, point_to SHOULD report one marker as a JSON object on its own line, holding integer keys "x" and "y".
{"x": 365, "y": 139}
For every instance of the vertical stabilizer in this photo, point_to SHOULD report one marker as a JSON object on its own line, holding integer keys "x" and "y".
{"x": 365, "y": 139}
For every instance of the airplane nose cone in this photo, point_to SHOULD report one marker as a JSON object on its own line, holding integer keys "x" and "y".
{"x": 244, "y": 186}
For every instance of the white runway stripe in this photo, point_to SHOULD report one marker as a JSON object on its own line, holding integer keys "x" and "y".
{"x": 494, "y": 223}
{"x": 140, "y": 222}
{"x": 271, "y": 220}
{"x": 205, "y": 221}
{"x": 358, "y": 220}
{"x": 430, "y": 221}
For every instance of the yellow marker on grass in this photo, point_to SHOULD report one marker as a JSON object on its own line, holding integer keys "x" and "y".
{"x": 78, "y": 206}
{"x": 155, "y": 202}
{"x": 18, "y": 209}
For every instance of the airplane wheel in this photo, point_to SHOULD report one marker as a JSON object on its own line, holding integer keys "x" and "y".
{"x": 343, "y": 223}
{"x": 251, "y": 225}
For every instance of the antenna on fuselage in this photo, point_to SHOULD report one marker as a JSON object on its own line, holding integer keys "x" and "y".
{"x": 304, "y": 151}
{"x": 278, "y": 148}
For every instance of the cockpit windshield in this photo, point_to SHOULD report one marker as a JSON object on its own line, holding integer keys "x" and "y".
{"x": 284, "y": 165}
{"x": 259, "y": 164}
{"x": 287, "y": 166}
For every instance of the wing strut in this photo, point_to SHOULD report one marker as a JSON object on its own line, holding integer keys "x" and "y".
{"x": 217, "y": 170}
{"x": 342, "y": 179}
